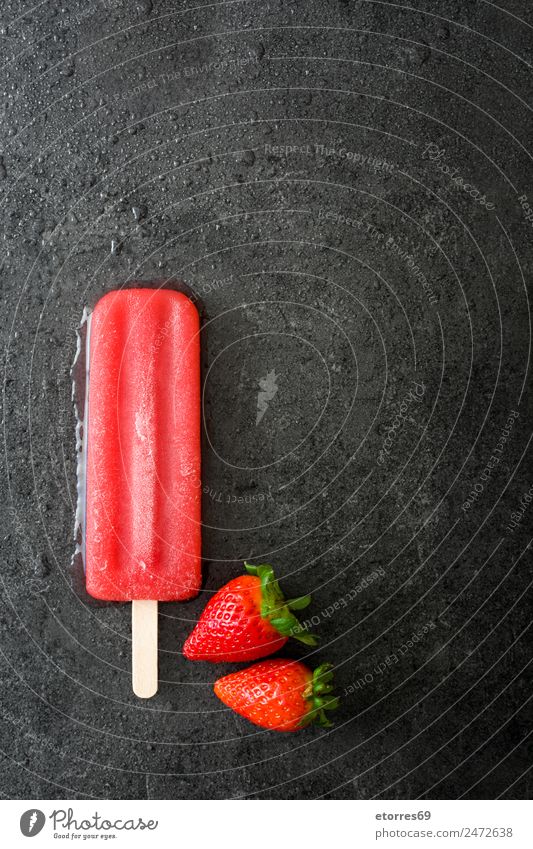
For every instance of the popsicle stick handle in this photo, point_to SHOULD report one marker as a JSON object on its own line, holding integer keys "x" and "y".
{"x": 144, "y": 648}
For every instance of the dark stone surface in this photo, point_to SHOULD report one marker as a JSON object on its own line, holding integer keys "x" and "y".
{"x": 235, "y": 146}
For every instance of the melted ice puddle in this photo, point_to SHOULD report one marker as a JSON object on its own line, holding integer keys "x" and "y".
{"x": 80, "y": 397}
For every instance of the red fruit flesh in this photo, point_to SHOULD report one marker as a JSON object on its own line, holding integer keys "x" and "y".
{"x": 231, "y": 627}
{"x": 271, "y": 694}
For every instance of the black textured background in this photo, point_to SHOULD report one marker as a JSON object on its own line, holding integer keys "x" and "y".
{"x": 296, "y": 163}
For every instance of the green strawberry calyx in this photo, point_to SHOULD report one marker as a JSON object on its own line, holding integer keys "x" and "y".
{"x": 278, "y": 610}
{"x": 319, "y": 695}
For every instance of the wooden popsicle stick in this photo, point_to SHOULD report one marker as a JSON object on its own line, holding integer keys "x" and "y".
{"x": 144, "y": 648}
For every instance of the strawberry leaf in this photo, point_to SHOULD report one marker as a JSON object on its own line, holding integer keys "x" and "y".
{"x": 319, "y": 698}
{"x": 299, "y": 603}
{"x": 276, "y": 609}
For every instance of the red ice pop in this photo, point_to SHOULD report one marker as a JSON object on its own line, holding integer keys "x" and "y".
{"x": 142, "y": 526}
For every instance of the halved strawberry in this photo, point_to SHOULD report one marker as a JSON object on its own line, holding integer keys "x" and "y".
{"x": 282, "y": 695}
{"x": 246, "y": 619}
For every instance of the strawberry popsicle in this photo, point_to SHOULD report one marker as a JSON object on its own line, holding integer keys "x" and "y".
{"x": 142, "y": 521}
